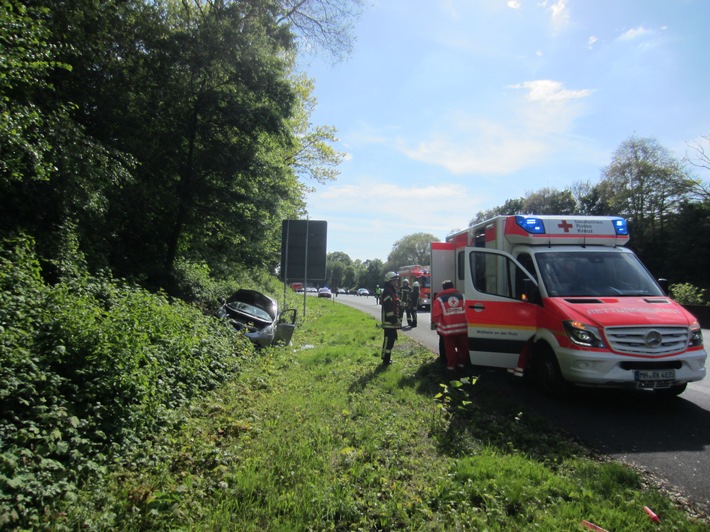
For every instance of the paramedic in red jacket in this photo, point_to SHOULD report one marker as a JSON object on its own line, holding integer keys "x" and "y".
{"x": 449, "y": 315}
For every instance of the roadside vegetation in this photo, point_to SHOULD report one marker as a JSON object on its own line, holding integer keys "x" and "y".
{"x": 319, "y": 436}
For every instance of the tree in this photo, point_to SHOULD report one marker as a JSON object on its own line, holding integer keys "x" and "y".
{"x": 687, "y": 253}
{"x": 511, "y": 206}
{"x": 311, "y": 154}
{"x": 549, "y": 201}
{"x": 645, "y": 184}
{"x": 177, "y": 128}
{"x": 700, "y": 158}
{"x": 590, "y": 200}
{"x": 25, "y": 62}
{"x": 322, "y": 24}
{"x": 372, "y": 274}
{"x": 339, "y": 271}
{"x": 53, "y": 173}
{"x": 412, "y": 249}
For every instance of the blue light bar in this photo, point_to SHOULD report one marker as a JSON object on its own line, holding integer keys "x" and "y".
{"x": 620, "y": 226}
{"x": 532, "y": 225}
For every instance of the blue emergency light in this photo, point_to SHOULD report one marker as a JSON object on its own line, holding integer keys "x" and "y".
{"x": 620, "y": 226}
{"x": 532, "y": 225}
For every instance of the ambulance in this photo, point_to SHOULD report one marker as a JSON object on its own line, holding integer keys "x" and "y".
{"x": 560, "y": 299}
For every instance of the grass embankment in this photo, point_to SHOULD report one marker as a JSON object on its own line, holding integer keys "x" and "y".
{"x": 319, "y": 436}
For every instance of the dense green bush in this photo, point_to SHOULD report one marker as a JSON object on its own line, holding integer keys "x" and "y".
{"x": 687, "y": 294}
{"x": 91, "y": 367}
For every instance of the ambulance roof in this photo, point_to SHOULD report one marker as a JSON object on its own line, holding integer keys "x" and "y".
{"x": 552, "y": 230}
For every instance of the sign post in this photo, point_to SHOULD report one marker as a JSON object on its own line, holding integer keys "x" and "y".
{"x": 303, "y": 252}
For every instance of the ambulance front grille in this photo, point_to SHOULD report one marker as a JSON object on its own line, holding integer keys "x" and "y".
{"x": 654, "y": 341}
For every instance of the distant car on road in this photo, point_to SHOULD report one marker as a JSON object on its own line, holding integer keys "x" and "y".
{"x": 341, "y": 291}
{"x": 363, "y": 292}
{"x": 324, "y": 292}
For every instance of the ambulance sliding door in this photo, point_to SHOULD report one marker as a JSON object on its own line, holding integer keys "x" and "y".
{"x": 500, "y": 317}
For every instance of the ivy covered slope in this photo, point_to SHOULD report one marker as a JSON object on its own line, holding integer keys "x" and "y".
{"x": 90, "y": 368}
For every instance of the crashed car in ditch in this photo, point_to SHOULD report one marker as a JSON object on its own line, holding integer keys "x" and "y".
{"x": 258, "y": 317}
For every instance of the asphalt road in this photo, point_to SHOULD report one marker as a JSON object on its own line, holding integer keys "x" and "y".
{"x": 670, "y": 439}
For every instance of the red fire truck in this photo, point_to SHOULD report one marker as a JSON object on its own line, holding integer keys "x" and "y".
{"x": 297, "y": 287}
{"x": 561, "y": 299}
{"x": 417, "y": 273}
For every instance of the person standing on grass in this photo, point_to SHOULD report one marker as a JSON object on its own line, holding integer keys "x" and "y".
{"x": 413, "y": 305}
{"x": 404, "y": 294}
{"x": 391, "y": 320}
{"x": 449, "y": 315}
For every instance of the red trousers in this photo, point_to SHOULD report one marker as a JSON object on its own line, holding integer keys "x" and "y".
{"x": 456, "y": 346}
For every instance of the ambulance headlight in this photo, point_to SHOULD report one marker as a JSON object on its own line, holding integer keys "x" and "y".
{"x": 582, "y": 334}
{"x": 695, "y": 335}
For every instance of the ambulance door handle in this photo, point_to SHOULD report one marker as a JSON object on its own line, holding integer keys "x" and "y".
{"x": 478, "y": 307}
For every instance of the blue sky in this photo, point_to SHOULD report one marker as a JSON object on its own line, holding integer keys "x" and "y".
{"x": 449, "y": 107}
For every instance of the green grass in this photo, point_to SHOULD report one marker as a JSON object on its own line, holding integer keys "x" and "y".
{"x": 319, "y": 436}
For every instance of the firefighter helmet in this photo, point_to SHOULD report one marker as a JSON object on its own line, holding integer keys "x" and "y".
{"x": 390, "y": 275}
{"x": 416, "y": 283}
{"x": 406, "y": 281}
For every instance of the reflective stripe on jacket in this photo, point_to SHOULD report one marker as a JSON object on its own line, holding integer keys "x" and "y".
{"x": 449, "y": 313}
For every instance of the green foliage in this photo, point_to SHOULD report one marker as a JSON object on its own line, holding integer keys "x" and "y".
{"x": 25, "y": 61}
{"x": 163, "y": 131}
{"x": 91, "y": 369}
{"x": 411, "y": 249}
{"x": 687, "y": 294}
{"x": 453, "y": 398}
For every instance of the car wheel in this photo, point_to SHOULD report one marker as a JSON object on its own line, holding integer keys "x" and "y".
{"x": 548, "y": 376}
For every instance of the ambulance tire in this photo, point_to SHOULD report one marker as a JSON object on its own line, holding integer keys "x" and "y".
{"x": 548, "y": 376}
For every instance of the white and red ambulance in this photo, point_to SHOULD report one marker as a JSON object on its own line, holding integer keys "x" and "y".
{"x": 561, "y": 299}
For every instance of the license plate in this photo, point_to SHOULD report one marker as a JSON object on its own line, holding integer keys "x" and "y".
{"x": 655, "y": 375}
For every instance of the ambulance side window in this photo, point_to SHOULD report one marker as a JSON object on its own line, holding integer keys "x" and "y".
{"x": 526, "y": 260}
{"x": 496, "y": 275}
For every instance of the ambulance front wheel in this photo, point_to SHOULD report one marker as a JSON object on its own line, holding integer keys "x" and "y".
{"x": 548, "y": 375}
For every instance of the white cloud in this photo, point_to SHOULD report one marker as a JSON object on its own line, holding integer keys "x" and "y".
{"x": 514, "y": 4}
{"x": 547, "y": 91}
{"x": 592, "y": 41}
{"x": 480, "y": 147}
{"x": 634, "y": 33}
{"x": 538, "y": 126}
{"x": 386, "y": 209}
{"x": 558, "y": 12}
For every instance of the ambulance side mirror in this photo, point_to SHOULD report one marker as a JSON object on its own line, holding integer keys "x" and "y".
{"x": 531, "y": 292}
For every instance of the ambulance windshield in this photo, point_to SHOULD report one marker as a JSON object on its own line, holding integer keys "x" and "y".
{"x": 595, "y": 273}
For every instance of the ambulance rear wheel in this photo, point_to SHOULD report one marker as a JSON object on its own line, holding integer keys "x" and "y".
{"x": 548, "y": 375}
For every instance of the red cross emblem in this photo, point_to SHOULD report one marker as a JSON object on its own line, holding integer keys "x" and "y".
{"x": 565, "y": 226}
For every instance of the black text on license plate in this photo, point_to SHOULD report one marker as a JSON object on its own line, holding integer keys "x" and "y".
{"x": 655, "y": 374}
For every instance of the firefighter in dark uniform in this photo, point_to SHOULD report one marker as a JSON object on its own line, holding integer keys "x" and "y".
{"x": 413, "y": 305}
{"x": 405, "y": 294}
{"x": 391, "y": 320}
